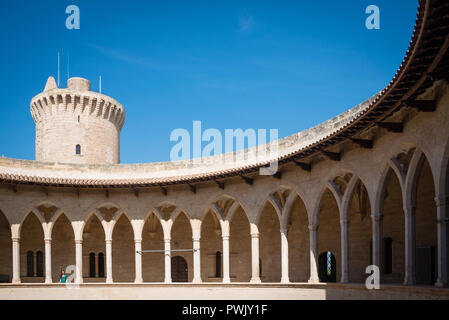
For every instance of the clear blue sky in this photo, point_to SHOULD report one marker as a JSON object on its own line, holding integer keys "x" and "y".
{"x": 231, "y": 64}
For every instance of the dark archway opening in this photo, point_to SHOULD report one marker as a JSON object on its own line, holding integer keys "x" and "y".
{"x": 179, "y": 269}
{"x": 327, "y": 267}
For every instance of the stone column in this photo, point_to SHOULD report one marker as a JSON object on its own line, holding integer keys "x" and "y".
{"x": 196, "y": 260}
{"x": 15, "y": 260}
{"x": 167, "y": 253}
{"x": 442, "y": 203}
{"x": 284, "y": 256}
{"x": 48, "y": 277}
{"x": 313, "y": 243}
{"x": 226, "y": 273}
{"x": 79, "y": 261}
{"x": 109, "y": 261}
{"x": 255, "y": 277}
{"x": 138, "y": 260}
{"x": 409, "y": 278}
{"x": 344, "y": 251}
{"x": 376, "y": 221}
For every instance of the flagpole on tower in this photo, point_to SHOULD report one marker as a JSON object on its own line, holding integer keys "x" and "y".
{"x": 68, "y": 67}
{"x": 58, "y": 69}
{"x": 100, "y": 84}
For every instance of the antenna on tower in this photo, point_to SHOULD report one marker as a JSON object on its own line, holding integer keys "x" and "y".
{"x": 58, "y": 69}
{"x": 68, "y": 67}
{"x": 100, "y": 84}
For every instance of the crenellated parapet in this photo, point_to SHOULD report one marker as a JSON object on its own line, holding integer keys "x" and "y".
{"x": 74, "y": 100}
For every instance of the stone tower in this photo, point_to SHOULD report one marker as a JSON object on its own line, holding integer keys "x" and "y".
{"x": 76, "y": 125}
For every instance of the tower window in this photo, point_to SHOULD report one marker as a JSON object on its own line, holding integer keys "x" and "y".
{"x": 78, "y": 119}
{"x": 78, "y": 149}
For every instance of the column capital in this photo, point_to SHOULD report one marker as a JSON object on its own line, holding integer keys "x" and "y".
{"x": 442, "y": 200}
{"x": 225, "y": 237}
{"x": 167, "y": 240}
{"x": 409, "y": 210}
{"x": 15, "y": 239}
{"x": 196, "y": 239}
{"x": 47, "y": 240}
{"x": 255, "y": 235}
{"x": 377, "y": 216}
{"x": 108, "y": 241}
{"x": 284, "y": 231}
{"x": 313, "y": 227}
{"x": 137, "y": 240}
{"x": 78, "y": 241}
{"x": 344, "y": 221}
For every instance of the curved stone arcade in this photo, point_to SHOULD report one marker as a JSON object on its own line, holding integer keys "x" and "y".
{"x": 368, "y": 187}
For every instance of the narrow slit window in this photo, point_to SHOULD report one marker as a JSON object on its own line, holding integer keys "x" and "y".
{"x": 78, "y": 149}
{"x": 218, "y": 264}
{"x": 92, "y": 265}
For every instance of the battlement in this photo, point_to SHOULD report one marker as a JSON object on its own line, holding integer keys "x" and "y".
{"x": 77, "y": 99}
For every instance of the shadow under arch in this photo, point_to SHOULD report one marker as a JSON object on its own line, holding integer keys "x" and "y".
{"x": 123, "y": 255}
{"x": 239, "y": 244}
{"x": 268, "y": 223}
{"x": 389, "y": 204}
{"x": 62, "y": 245}
{"x": 295, "y": 220}
{"x": 181, "y": 239}
{"x": 327, "y": 217}
{"x": 211, "y": 243}
{"x": 153, "y": 264}
{"x": 359, "y": 231}
{"x": 5, "y": 249}
{"x": 32, "y": 249}
{"x": 94, "y": 247}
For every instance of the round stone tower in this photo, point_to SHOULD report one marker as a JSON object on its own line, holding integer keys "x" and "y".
{"x": 76, "y": 125}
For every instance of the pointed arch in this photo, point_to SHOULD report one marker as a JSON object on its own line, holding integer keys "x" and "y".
{"x": 295, "y": 220}
{"x": 5, "y": 246}
{"x": 153, "y": 264}
{"x": 239, "y": 244}
{"x": 93, "y": 235}
{"x": 123, "y": 257}
{"x": 31, "y": 213}
{"x": 94, "y": 214}
{"x": 210, "y": 244}
{"x": 31, "y": 243}
{"x": 63, "y": 245}
{"x": 181, "y": 238}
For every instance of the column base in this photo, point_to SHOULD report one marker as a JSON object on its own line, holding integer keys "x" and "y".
{"x": 255, "y": 280}
{"x": 197, "y": 281}
{"x": 313, "y": 281}
{"x": 109, "y": 281}
{"x": 48, "y": 281}
{"x": 167, "y": 281}
{"x": 16, "y": 281}
{"x": 285, "y": 280}
{"x": 226, "y": 280}
{"x": 441, "y": 284}
{"x": 138, "y": 281}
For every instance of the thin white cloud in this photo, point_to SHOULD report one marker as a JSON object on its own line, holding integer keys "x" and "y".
{"x": 129, "y": 58}
{"x": 246, "y": 22}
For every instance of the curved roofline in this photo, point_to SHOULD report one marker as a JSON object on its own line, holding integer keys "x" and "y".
{"x": 418, "y": 70}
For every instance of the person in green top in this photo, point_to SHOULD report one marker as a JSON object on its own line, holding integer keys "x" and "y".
{"x": 63, "y": 277}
